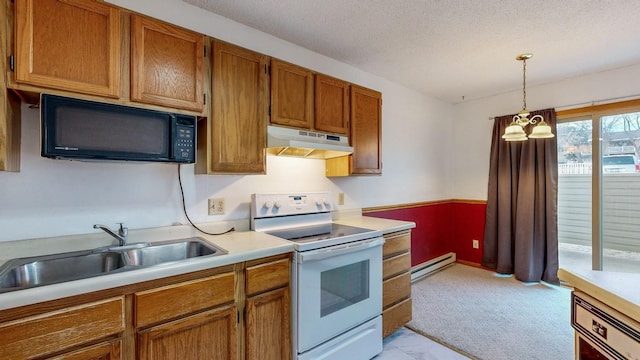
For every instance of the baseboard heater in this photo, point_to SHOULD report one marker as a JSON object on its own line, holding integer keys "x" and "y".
{"x": 431, "y": 266}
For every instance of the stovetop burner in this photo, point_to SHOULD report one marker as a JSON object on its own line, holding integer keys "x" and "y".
{"x": 305, "y": 219}
{"x": 306, "y": 234}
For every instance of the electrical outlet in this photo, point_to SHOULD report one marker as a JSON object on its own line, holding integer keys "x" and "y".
{"x": 341, "y": 198}
{"x": 476, "y": 244}
{"x": 216, "y": 206}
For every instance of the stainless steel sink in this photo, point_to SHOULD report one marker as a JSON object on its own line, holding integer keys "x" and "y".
{"x": 50, "y": 269}
{"x": 34, "y": 271}
{"x": 170, "y": 251}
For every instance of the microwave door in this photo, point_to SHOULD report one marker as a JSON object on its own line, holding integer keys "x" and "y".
{"x": 80, "y": 129}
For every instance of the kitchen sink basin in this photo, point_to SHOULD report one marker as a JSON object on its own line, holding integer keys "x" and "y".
{"x": 170, "y": 251}
{"x": 34, "y": 271}
{"x": 50, "y": 269}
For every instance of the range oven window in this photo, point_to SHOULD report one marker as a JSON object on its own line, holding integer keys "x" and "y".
{"x": 343, "y": 286}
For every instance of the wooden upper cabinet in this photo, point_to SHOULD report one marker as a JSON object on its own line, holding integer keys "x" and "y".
{"x": 70, "y": 45}
{"x": 10, "y": 113}
{"x": 366, "y": 131}
{"x": 291, "y": 95}
{"x": 331, "y": 105}
{"x": 239, "y": 110}
{"x": 167, "y": 64}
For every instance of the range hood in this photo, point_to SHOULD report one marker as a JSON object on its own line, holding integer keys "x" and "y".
{"x": 282, "y": 141}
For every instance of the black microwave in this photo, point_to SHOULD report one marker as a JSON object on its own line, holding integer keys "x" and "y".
{"x": 88, "y": 130}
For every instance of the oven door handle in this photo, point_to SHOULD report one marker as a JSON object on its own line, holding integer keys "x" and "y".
{"x": 339, "y": 250}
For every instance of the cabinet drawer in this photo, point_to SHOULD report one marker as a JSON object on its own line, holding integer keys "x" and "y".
{"x": 177, "y": 300}
{"x": 267, "y": 276}
{"x": 57, "y": 330}
{"x": 396, "y": 317}
{"x": 396, "y": 243}
{"x": 396, "y": 265}
{"x": 396, "y": 289}
{"x": 111, "y": 350}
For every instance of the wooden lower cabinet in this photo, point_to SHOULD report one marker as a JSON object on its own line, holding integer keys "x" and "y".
{"x": 69, "y": 328}
{"x": 178, "y": 300}
{"x": 111, "y": 350}
{"x": 267, "y": 326}
{"x": 268, "y": 310}
{"x": 232, "y": 312}
{"x": 208, "y": 335}
{"x": 205, "y": 325}
{"x": 396, "y": 281}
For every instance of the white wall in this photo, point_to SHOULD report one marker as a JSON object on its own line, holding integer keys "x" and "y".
{"x": 473, "y": 129}
{"x": 56, "y": 197}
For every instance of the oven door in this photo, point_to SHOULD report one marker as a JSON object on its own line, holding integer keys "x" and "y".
{"x": 587, "y": 350}
{"x": 338, "y": 288}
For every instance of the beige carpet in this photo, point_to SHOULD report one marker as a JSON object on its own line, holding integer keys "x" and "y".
{"x": 492, "y": 317}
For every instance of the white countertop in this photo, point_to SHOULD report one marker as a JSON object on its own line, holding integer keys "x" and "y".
{"x": 374, "y": 223}
{"x": 242, "y": 245}
{"x": 620, "y": 291}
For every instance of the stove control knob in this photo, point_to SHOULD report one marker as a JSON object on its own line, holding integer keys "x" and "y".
{"x": 267, "y": 204}
{"x": 319, "y": 203}
{"x": 277, "y": 205}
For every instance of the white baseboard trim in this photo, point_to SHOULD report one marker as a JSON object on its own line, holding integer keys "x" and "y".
{"x": 429, "y": 267}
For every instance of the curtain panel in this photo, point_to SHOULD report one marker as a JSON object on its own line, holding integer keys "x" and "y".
{"x": 521, "y": 225}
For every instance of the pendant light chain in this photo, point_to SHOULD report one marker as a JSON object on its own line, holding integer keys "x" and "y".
{"x": 515, "y": 130}
{"x": 524, "y": 84}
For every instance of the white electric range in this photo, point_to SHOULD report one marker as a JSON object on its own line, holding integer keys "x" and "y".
{"x": 337, "y": 276}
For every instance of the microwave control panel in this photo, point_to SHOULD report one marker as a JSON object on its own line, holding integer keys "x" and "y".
{"x": 184, "y": 143}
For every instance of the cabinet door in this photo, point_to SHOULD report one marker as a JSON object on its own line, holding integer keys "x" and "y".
{"x": 291, "y": 95}
{"x": 9, "y": 131}
{"x": 239, "y": 113}
{"x": 331, "y": 105}
{"x": 209, "y": 335}
{"x": 366, "y": 131}
{"x": 268, "y": 326}
{"x": 10, "y": 113}
{"x": 71, "y": 45}
{"x": 167, "y": 64}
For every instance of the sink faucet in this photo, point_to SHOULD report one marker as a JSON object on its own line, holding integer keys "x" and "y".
{"x": 121, "y": 236}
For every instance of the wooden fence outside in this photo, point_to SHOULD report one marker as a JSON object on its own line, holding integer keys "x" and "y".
{"x": 621, "y": 210}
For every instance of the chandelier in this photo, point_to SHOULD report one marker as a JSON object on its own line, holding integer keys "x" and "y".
{"x": 515, "y": 130}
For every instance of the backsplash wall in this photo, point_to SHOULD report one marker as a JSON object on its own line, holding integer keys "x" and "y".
{"x": 59, "y": 197}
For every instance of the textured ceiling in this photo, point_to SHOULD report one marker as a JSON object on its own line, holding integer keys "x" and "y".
{"x": 450, "y": 49}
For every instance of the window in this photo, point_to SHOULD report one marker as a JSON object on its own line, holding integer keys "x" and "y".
{"x": 599, "y": 188}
